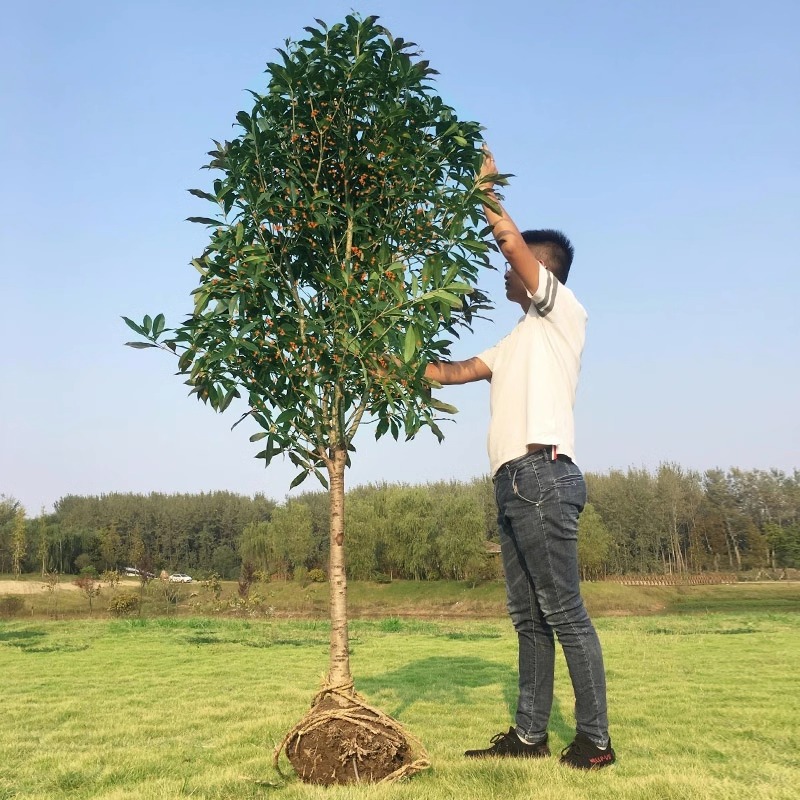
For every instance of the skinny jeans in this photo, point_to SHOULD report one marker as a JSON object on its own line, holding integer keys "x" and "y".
{"x": 539, "y": 500}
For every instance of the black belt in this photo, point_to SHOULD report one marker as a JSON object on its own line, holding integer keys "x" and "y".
{"x": 542, "y": 454}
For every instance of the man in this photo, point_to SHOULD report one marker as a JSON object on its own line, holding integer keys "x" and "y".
{"x": 539, "y": 489}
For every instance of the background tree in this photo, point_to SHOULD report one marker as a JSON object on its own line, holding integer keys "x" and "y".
{"x": 8, "y": 513}
{"x": 594, "y": 544}
{"x": 19, "y": 541}
{"x": 142, "y": 561}
{"x": 89, "y": 588}
{"x": 44, "y": 537}
{"x": 459, "y": 534}
{"x": 110, "y": 546}
{"x": 348, "y": 240}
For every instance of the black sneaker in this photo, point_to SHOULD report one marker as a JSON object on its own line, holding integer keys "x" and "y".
{"x": 583, "y": 753}
{"x": 510, "y": 745}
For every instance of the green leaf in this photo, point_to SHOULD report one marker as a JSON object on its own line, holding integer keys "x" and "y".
{"x": 445, "y": 408}
{"x": 203, "y": 195}
{"x": 285, "y": 416}
{"x": 205, "y": 221}
{"x": 147, "y": 324}
{"x": 139, "y": 345}
{"x": 226, "y": 401}
{"x": 452, "y": 300}
{"x": 258, "y": 436}
{"x": 133, "y": 326}
{"x": 239, "y": 234}
{"x": 410, "y": 345}
{"x": 185, "y": 360}
{"x": 158, "y": 325}
{"x": 299, "y": 479}
{"x": 321, "y": 478}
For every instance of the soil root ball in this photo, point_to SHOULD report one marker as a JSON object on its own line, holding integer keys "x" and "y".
{"x": 343, "y": 740}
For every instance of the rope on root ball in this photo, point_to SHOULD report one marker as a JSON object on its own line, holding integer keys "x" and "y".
{"x": 357, "y": 712}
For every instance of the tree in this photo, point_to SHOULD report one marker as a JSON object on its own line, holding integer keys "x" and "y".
{"x": 348, "y": 240}
{"x": 281, "y": 545}
{"x": 43, "y": 531}
{"x": 678, "y": 497}
{"x": 460, "y": 531}
{"x": 19, "y": 542}
{"x": 366, "y": 533}
{"x": 89, "y": 588}
{"x": 142, "y": 561}
{"x": 8, "y": 515}
{"x": 110, "y": 546}
{"x": 594, "y": 544}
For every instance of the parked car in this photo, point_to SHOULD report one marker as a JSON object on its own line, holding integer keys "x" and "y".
{"x": 132, "y": 572}
{"x": 180, "y": 577}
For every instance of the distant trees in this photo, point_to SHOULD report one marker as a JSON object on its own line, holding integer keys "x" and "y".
{"x": 671, "y": 520}
{"x": 419, "y": 532}
{"x": 677, "y": 521}
{"x": 8, "y": 515}
{"x": 19, "y": 542}
{"x": 282, "y": 544}
{"x": 594, "y": 544}
{"x": 190, "y": 533}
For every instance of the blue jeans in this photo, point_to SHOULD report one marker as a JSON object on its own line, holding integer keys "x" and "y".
{"x": 538, "y": 502}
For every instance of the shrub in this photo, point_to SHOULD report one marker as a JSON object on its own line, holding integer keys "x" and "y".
{"x": 111, "y": 578}
{"x": 213, "y": 585}
{"x": 300, "y": 575}
{"x": 11, "y": 605}
{"x": 123, "y": 605}
{"x": 246, "y": 578}
{"x": 316, "y": 575}
{"x": 82, "y": 561}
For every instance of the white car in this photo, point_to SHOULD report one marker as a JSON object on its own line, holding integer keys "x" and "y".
{"x": 179, "y": 577}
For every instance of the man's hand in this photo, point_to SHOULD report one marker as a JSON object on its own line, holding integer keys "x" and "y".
{"x": 488, "y": 167}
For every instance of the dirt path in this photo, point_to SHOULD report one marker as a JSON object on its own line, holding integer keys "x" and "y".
{"x": 32, "y": 587}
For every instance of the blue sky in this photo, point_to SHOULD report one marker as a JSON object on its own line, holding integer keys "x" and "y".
{"x": 662, "y": 137}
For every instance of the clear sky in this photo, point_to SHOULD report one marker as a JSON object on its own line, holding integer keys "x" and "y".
{"x": 664, "y": 138}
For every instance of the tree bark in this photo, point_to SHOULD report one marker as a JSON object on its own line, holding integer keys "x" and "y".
{"x": 339, "y": 672}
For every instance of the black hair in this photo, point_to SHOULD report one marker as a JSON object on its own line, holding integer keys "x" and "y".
{"x": 558, "y": 250}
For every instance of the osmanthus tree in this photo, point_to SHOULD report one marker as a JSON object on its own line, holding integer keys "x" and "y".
{"x": 344, "y": 253}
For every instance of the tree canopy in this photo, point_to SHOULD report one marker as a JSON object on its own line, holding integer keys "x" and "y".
{"x": 345, "y": 250}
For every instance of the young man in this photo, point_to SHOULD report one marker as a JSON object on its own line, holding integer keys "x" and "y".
{"x": 539, "y": 490}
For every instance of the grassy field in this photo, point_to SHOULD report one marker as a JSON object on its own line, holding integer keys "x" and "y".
{"x": 703, "y": 704}
{"x": 414, "y": 599}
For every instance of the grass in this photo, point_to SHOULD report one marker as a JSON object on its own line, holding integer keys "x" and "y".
{"x": 703, "y": 706}
{"x": 416, "y": 599}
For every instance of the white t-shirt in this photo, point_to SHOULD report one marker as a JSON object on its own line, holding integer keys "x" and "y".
{"x": 535, "y": 375}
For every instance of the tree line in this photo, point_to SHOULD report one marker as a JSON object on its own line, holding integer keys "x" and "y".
{"x": 669, "y": 520}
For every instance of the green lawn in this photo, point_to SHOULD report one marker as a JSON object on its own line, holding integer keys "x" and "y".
{"x": 415, "y": 599}
{"x": 703, "y": 705}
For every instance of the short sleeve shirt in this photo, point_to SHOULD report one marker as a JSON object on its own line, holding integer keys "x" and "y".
{"x": 535, "y": 375}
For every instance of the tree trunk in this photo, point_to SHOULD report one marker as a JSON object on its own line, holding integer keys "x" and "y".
{"x": 339, "y": 673}
{"x": 734, "y": 544}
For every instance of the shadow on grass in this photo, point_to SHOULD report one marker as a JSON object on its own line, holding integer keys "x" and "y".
{"x": 32, "y": 641}
{"x": 16, "y": 637}
{"x": 448, "y": 680}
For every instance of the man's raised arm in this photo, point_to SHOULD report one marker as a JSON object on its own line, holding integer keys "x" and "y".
{"x": 505, "y": 231}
